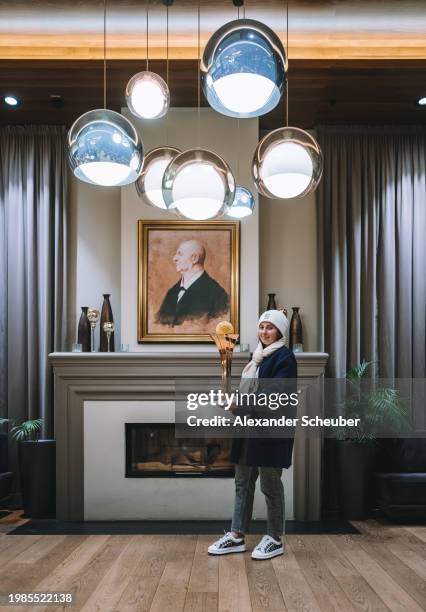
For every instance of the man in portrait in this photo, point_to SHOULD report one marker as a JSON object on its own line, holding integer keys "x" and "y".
{"x": 196, "y": 294}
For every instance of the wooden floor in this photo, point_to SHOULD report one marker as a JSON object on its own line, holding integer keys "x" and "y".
{"x": 382, "y": 569}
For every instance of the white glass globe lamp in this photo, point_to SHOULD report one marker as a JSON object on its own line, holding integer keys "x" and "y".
{"x": 147, "y": 95}
{"x": 104, "y": 149}
{"x": 150, "y": 182}
{"x": 198, "y": 185}
{"x": 243, "y": 69}
{"x": 287, "y": 163}
{"x": 242, "y": 204}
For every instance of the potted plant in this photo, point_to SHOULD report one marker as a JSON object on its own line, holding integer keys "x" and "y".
{"x": 37, "y": 469}
{"x": 378, "y": 409}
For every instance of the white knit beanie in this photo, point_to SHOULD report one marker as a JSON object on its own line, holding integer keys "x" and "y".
{"x": 277, "y": 318}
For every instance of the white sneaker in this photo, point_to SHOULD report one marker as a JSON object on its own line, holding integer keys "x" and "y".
{"x": 267, "y": 548}
{"x": 227, "y": 544}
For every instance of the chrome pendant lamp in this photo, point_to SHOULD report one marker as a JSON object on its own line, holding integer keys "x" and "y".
{"x": 242, "y": 204}
{"x": 244, "y": 69}
{"x": 104, "y": 149}
{"x": 149, "y": 184}
{"x": 103, "y": 146}
{"x": 198, "y": 184}
{"x": 287, "y": 162}
{"x": 147, "y": 94}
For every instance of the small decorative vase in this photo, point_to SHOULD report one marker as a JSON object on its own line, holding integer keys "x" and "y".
{"x": 272, "y": 305}
{"x": 296, "y": 336}
{"x": 93, "y": 315}
{"x": 109, "y": 330}
{"x": 83, "y": 335}
{"x": 106, "y": 316}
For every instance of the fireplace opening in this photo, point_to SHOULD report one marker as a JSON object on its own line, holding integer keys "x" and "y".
{"x": 153, "y": 450}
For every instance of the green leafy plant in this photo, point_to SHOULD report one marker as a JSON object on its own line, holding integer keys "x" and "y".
{"x": 27, "y": 430}
{"x": 379, "y": 409}
{"x": 359, "y": 371}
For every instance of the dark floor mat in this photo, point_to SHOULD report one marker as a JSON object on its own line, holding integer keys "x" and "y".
{"x": 53, "y": 527}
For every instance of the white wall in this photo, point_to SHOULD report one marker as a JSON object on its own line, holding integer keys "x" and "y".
{"x": 95, "y": 239}
{"x": 288, "y": 260}
{"x": 220, "y": 134}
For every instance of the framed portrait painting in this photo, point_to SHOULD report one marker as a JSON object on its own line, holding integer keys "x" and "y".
{"x": 188, "y": 279}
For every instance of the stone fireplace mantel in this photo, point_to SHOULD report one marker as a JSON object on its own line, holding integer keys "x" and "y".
{"x": 109, "y": 377}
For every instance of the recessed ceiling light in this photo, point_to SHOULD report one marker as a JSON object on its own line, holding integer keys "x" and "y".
{"x": 56, "y": 100}
{"x": 11, "y": 100}
{"x": 422, "y": 101}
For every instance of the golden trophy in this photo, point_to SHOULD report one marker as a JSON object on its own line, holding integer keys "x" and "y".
{"x": 225, "y": 340}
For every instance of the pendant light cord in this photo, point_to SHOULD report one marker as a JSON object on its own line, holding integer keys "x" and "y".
{"x": 238, "y": 122}
{"x": 286, "y": 97}
{"x": 104, "y": 53}
{"x": 147, "y": 30}
{"x": 167, "y": 44}
{"x": 199, "y": 76}
{"x": 167, "y": 69}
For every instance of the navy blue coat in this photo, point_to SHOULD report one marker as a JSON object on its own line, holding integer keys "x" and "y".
{"x": 269, "y": 452}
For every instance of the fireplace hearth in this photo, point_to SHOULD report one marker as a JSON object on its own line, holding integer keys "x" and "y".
{"x": 153, "y": 451}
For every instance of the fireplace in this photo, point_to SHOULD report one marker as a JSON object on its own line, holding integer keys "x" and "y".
{"x": 96, "y": 394}
{"x": 153, "y": 451}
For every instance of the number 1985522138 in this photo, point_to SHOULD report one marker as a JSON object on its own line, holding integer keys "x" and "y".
{"x": 36, "y": 598}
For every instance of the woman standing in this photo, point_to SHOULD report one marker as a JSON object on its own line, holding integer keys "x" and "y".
{"x": 264, "y": 457}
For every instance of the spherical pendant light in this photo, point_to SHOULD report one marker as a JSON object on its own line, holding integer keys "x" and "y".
{"x": 198, "y": 184}
{"x": 147, "y": 95}
{"x": 149, "y": 185}
{"x": 287, "y": 163}
{"x": 242, "y": 205}
{"x": 243, "y": 69}
{"x": 104, "y": 149}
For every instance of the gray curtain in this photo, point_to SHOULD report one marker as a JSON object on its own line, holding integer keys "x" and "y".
{"x": 372, "y": 248}
{"x": 33, "y": 283}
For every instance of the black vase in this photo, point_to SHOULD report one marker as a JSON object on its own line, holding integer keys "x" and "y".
{"x": 37, "y": 467}
{"x": 83, "y": 336}
{"x": 355, "y": 463}
{"x": 106, "y": 316}
{"x": 296, "y": 335}
{"x": 272, "y": 305}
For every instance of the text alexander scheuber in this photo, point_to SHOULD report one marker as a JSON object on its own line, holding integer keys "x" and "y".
{"x": 273, "y": 401}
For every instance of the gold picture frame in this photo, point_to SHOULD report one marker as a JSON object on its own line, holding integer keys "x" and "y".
{"x": 160, "y": 274}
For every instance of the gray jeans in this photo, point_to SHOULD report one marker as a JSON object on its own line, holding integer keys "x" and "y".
{"x": 271, "y": 487}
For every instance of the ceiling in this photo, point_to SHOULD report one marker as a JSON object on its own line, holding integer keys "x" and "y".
{"x": 318, "y": 29}
{"x": 319, "y": 91}
{"x": 349, "y": 61}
